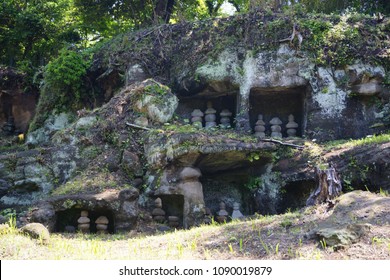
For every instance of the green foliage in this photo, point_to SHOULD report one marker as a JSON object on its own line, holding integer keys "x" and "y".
{"x": 89, "y": 183}
{"x": 65, "y": 87}
{"x": 254, "y": 183}
{"x": 65, "y": 75}
{"x": 253, "y": 156}
{"x": 334, "y": 41}
{"x": 369, "y": 140}
{"x": 8, "y": 213}
{"x": 156, "y": 89}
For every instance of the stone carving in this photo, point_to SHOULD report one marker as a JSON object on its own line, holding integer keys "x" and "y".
{"x": 101, "y": 224}
{"x": 210, "y": 116}
{"x": 225, "y": 118}
{"x": 84, "y": 222}
{"x": 222, "y": 214}
{"x": 236, "y": 211}
{"x": 260, "y": 127}
{"x": 291, "y": 126}
{"x": 197, "y": 117}
{"x": 173, "y": 221}
{"x": 191, "y": 188}
{"x": 276, "y": 129}
{"x": 158, "y": 213}
{"x": 207, "y": 216}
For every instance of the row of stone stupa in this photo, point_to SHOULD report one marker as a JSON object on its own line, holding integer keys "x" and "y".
{"x": 210, "y": 117}
{"x": 276, "y": 129}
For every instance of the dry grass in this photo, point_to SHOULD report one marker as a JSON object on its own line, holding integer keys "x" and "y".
{"x": 262, "y": 237}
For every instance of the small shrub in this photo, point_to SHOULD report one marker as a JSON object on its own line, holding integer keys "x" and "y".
{"x": 64, "y": 75}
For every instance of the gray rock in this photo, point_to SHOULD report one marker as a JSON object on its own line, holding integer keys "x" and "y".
{"x": 131, "y": 164}
{"x": 130, "y": 194}
{"x": 37, "y": 231}
{"x": 163, "y": 228}
{"x": 52, "y": 124}
{"x": 3, "y": 219}
{"x": 86, "y": 122}
{"x": 112, "y": 161}
{"x": 141, "y": 121}
{"x": 4, "y": 187}
{"x": 134, "y": 74}
{"x": 45, "y": 215}
{"x": 338, "y": 237}
{"x": 158, "y": 102}
{"x": 367, "y": 89}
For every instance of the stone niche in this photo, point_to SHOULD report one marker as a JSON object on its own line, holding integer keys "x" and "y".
{"x": 69, "y": 217}
{"x": 225, "y": 177}
{"x": 173, "y": 205}
{"x": 274, "y": 102}
{"x": 221, "y": 95}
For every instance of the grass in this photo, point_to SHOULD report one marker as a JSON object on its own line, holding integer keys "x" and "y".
{"x": 369, "y": 140}
{"x": 259, "y": 237}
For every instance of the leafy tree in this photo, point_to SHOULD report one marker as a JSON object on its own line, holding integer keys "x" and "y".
{"x": 32, "y": 31}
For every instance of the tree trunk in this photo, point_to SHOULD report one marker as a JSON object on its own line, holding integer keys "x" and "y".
{"x": 328, "y": 186}
{"x": 163, "y": 10}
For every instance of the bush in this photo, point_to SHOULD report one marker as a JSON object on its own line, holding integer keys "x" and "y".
{"x": 64, "y": 75}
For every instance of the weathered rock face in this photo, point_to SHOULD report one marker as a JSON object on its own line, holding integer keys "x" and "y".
{"x": 327, "y": 95}
{"x": 352, "y": 218}
{"x": 120, "y": 206}
{"x": 157, "y": 102}
{"x": 25, "y": 178}
{"x": 29, "y": 176}
{"x": 50, "y": 126}
{"x": 364, "y": 166}
{"x": 184, "y": 182}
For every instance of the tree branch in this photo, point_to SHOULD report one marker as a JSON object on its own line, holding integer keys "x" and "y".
{"x": 283, "y": 143}
{"x": 137, "y": 126}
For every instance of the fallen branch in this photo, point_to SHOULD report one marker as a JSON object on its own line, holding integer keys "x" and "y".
{"x": 137, "y": 126}
{"x": 284, "y": 143}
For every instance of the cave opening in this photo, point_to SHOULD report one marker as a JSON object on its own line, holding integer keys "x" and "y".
{"x": 226, "y": 177}
{"x": 68, "y": 218}
{"x": 219, "y": 95}
{"x": 173, "y": 205}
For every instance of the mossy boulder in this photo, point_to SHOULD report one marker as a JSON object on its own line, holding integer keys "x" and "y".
{"x": 37, "y": 231}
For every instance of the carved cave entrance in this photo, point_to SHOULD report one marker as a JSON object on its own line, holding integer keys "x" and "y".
{"x": 279, "y": 103}
{"x": 173, "y": 205}
{"x": 222, "y": 95}
{"x": 225, "y": 177}
{"x": 69, "y": 217}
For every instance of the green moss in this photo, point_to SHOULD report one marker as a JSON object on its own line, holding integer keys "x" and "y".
{"x": 369, "y": 140}
{"x": 89, "y": 182}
